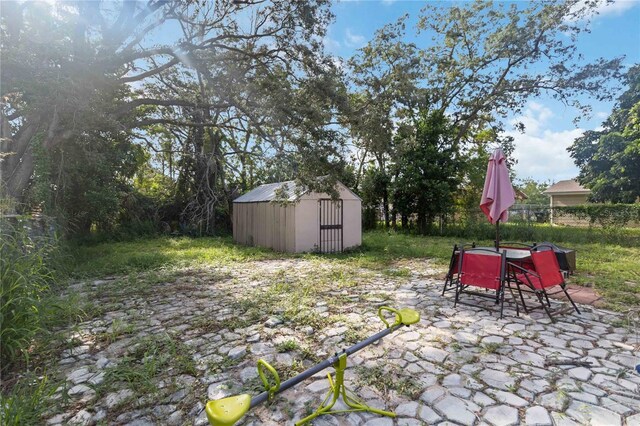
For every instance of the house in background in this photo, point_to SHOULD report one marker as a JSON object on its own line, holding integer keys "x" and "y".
{"x": 305, "y": 222}
{"x": 566, "y": 193}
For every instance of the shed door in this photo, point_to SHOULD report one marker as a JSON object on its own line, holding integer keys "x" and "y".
{"x": 331, "y": 215}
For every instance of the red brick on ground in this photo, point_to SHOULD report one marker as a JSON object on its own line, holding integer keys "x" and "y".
{"x": 579, "y": 294}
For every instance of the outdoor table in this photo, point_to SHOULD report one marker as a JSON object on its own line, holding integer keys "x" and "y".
{"x": 513, "y": 254}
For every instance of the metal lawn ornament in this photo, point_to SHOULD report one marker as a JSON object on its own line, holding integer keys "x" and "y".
{"x": 227, "y": 411}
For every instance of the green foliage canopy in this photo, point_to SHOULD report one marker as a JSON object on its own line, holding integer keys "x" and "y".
{"x": 609, "y": 159}
{"x": 427, "y": 168}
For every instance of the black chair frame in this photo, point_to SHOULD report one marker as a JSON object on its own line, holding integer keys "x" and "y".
{"x": 449, "y": 282}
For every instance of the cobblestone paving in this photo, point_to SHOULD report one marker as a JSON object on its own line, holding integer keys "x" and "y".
{"x": 155, "y": 353}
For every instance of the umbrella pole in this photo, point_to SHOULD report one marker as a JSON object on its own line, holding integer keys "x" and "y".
{"x": 497, "y": 234}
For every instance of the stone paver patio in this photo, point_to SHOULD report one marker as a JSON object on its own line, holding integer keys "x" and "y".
{"x": 456, "y": 366}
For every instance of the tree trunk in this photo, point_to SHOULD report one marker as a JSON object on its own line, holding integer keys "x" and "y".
{"x": 421, "y": 223}
{"x": 18, "y": 167}
{"x": 394, "y": 213}
{"x": 385, "y": 205}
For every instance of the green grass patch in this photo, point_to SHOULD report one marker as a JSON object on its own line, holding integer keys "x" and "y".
{"x": 113, "y": 258}
{"x": 150, "y": 359}
{"x": 610, "y": 268}
{"x": 490, "y": 348}
{"x": 117, "y": 329}
{"x": 28, "y": 400}
{"x": 386, "y": 378}
{"x": 287, "y": 346}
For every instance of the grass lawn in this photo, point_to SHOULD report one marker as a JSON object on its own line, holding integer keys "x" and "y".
{"x": 611, "y": 269}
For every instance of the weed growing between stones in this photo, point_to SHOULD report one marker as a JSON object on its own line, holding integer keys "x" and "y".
{"x": 397, "y": 272}
{"x": 149, "y": 360}
{"x": 309, "y": 355}
{"x": 490, "y": 348}
{"x": 208, "y": 323}
{"x": 512, "y": 388}
{"x": 28, "y": 399}
{"x": 287, "y": 346}
{"x": 353, "y": 336}
{"x": 118, "y": 328}
{"x": 223, "y": 364}
{"x": 387, "y": 378}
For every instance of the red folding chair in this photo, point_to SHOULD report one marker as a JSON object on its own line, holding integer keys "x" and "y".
{"x": 450, "y": 279}
{"x": 482, "y": 268}
{"x": 545, "y": 274}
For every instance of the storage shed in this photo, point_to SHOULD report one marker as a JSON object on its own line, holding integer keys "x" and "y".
{"x": 306, "y": 222}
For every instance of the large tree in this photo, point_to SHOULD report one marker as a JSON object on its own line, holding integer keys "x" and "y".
{"x": 427, "y": 168}
{"x": 609, "y": 159}
{"x": 480, "y": 64}
{"x": 385, "y": 76}
{"x": 486, "y": 60}
{"x": 229, "y": 82}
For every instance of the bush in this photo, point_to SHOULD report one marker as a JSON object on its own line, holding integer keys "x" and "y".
{"x": 534, "y": 232}
{"x": 606, "y": 215}
{"x": 25, "y": 277}
{"x": 369, "y": 218}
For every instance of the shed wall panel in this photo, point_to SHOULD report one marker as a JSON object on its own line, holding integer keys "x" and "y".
{"x": 352, "y": 224}
{"x": 234, "y": 224}
{"x": 265, "y": 225}
{"x": 290, "y": 228}
{"x": 268, "y": 225}
{"x": 307, "y": 225}
{"x": 260, "y": 223}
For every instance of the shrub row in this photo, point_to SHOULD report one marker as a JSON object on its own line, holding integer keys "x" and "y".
{"x": 605, "y": 215}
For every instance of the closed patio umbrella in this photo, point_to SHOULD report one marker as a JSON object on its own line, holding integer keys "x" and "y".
{"x": 498, "y": 194}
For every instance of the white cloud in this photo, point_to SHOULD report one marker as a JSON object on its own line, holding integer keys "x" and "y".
{"x": 604, "y": 7}
{"x": 545, "y": 157}
{"x": 535, "y": 116}
{"x": 354, "y": 40}
{"x": 332, "y": 45}
{"x": 616, "y": 8}
{"x": 542, "y": 153}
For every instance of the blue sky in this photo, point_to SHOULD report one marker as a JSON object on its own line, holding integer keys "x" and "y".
{"x": 541, "y": 150}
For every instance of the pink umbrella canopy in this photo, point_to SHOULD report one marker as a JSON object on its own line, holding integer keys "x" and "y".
{"x": 498, "y": 194}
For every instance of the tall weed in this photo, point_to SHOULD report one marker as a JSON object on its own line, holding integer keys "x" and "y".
{"x": 26, "y": 277}
{"x": 29, "y": 398}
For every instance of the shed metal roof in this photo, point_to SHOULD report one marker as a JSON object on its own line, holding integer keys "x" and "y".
{"x": 567, "y": 187}
{"x": 283, "y": 191}
{"x": 269, "y": 192}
